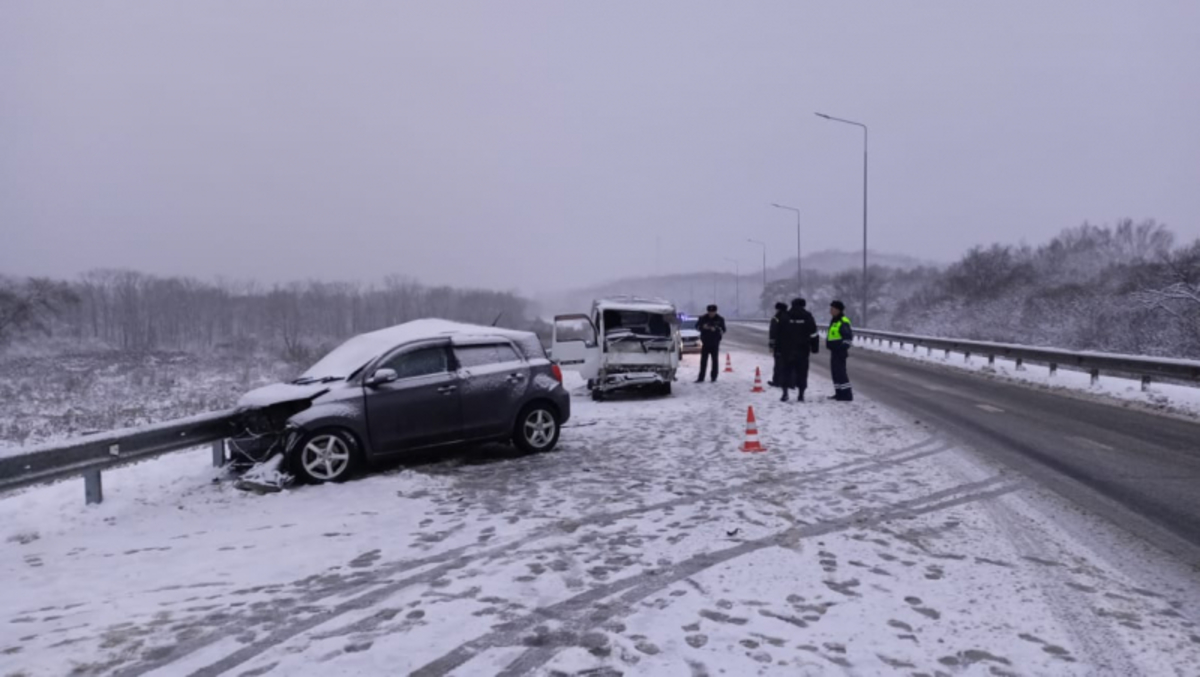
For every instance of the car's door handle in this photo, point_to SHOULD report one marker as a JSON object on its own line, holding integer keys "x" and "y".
{"x": 446, "y": 390}
{"x": 516, "y": 377}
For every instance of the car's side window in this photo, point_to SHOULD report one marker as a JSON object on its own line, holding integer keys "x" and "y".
{"x": 419, "y": 362}
{"x": 483, "y": 355}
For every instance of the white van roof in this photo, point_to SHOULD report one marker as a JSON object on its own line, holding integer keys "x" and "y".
{"x": 648, "y": 305}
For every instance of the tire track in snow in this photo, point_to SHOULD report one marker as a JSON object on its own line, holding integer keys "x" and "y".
{"x": 581, "y": 613}
{"x": 459, "y": 558}
{"x": 1101, "y": 647}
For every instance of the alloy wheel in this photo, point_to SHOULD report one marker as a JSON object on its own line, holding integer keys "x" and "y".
{"x": 325, "y": 457}
{"x": 539, "y": 428}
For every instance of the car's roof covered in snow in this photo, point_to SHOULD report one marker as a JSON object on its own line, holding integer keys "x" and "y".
{"x": 354, "y": 353}
{"x": 649, "y": 305}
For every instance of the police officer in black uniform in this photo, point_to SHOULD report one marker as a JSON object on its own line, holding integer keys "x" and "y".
{"x": 775, "y": 345}
{"x": 712, "y": 329}
{"x": 800, "y": 339}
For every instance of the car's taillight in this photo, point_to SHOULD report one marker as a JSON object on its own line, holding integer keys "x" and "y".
{"x": 554, "y": 369}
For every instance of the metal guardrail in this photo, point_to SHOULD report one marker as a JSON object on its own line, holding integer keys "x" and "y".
{"x": 90, "y": 455}
{"x": 1145, "y": 368}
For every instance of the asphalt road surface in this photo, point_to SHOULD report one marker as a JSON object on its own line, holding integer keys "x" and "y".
{"x": 1135, "y": 468}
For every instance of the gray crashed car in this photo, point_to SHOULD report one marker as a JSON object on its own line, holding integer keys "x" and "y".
{"x": 423, "y": 384}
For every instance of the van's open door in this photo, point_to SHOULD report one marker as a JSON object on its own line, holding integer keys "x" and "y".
{"x": 575, "y": 345}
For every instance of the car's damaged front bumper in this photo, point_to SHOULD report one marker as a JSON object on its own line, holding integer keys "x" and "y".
{"x": 261, "y": 439}
{"x": 633, "y": 379}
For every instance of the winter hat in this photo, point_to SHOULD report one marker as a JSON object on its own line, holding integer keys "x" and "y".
{"x": 780, "y": 306}
{"x": 799, "y": 302}
{"x": 839, "y": 305}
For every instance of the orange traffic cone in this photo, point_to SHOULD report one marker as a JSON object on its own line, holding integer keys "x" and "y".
{"x": 728, "y": 364}
{"x": 758, "y": 381}
{"x": 752, "y": 444}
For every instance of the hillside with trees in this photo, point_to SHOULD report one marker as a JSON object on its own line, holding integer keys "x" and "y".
{"x": 1124, "y": 288}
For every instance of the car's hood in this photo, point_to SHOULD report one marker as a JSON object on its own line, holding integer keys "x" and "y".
{"x": 277, "y": 393}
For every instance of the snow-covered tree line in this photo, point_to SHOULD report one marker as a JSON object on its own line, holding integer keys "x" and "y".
{"x": 136, "y": 312}
{"x": 1125, "y": 288}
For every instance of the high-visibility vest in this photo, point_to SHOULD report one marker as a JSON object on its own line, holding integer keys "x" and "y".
{"x": 835, "y": 328}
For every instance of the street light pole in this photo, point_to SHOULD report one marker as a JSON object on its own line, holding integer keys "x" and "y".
{"x": 864, "y": 272}
{"x": 799, "y": 268}
{"x": 737, "y": 286}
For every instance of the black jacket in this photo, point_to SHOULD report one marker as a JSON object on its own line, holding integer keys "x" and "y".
{"x": 800, "y": 336}
{"x": 777, "y": 325}
{"x": 711, "y": 330}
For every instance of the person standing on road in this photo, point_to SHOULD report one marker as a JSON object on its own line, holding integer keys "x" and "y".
{"x": 838, "y": 341}
{"x": 800, "y": 338}
{"x": 712, "y": 330}
{"x": 775, "y": 345}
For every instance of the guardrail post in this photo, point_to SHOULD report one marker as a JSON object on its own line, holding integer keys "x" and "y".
{"x": 1053, "y": 369}
{"x": 1145, "y": 383}
{"x": 947, "y": 353}
{"x": 967, "y": 357}
{"x": 1020, "y": 364}
{"x": 991, "y": 360}
{"x": 929, "y": 353}
{"x": 93, "y": 491}
{"x": 218, "y": 453}
{"x": 1095, "y": 373}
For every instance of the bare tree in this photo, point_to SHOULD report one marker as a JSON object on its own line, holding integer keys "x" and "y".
{"x": 1178, "y": 291}
{"x": 31, "y": 305}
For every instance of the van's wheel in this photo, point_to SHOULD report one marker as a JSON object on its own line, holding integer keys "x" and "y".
{"x": 664, "y": 389}
{"x": 598, "y": 395}
{"x": 329, "y": 455}
{"x": 536, "y": 429}
{"x": 591, "y": 383}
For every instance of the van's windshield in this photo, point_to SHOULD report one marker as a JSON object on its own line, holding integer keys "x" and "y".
{"x": 639, "y": 323}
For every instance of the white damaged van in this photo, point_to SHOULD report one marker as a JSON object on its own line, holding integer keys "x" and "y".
{"x": 626, "y": 342}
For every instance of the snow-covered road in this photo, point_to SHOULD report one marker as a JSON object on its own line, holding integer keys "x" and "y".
{"x": 647, "y": 544}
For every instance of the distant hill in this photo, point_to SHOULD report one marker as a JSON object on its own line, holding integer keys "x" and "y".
{"x": 835, "y": 261}
{"x": 692, "y": 291}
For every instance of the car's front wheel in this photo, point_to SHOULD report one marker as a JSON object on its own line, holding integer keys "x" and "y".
{"x": 536, "y": 429}
{"x": 326, "y": 456}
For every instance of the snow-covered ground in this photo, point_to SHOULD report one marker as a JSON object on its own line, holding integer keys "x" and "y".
{"x": 51, "y": 396}
{"x": 647, "y": 544}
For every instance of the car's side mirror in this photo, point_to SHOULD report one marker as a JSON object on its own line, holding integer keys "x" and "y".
{"x": 382, "y": 376}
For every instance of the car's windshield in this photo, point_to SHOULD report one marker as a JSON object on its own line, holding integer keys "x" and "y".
{"x": 345, "y": 360}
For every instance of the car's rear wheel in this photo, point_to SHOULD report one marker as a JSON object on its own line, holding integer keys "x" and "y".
{"x": 329, "y": 455}
{"x": 537, "y": 428}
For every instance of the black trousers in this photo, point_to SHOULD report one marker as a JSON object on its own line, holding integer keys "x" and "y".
{"x": 795, "y": 372}
{"x": 706, "y": 352}
{"x": 841, "y": 378}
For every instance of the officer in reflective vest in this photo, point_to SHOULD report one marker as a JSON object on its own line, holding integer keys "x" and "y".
{"x": 838, "y": 341}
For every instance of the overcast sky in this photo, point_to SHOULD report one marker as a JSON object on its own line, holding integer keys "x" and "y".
{"x": 537, "y": 145}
